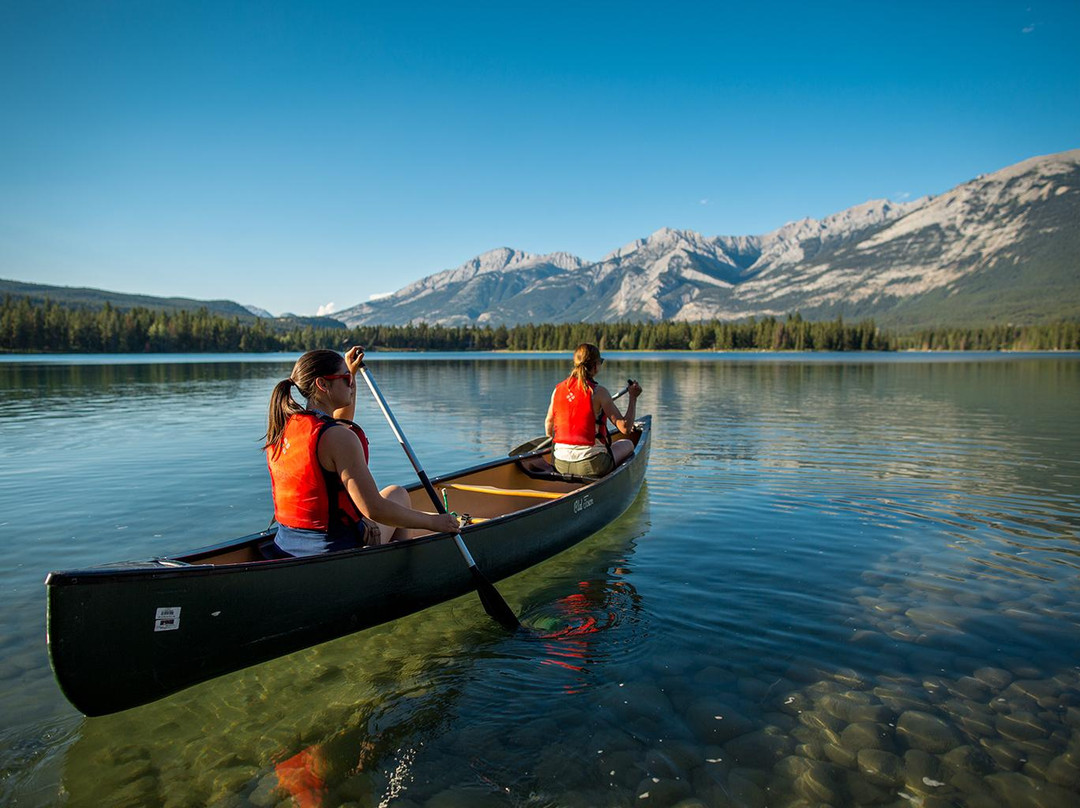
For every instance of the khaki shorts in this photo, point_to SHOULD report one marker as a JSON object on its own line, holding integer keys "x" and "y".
{"x": 596, "y": 466}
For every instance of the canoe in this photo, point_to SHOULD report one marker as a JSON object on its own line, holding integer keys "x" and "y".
{"x": 128, "y": 633}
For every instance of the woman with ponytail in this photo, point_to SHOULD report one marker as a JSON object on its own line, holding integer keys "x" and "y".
{"x": 325, "y": 498}
{"x": 578, "y": 415}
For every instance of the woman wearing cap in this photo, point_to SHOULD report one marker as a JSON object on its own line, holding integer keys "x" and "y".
{"x": 325, "y": 498}
{"x": 578, "y": 415}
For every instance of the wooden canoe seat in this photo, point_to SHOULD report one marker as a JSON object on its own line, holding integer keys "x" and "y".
{"x": 483, "y": 502}
{"x": 505, "y": 492}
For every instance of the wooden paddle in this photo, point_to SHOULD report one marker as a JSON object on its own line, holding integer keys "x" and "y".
{"x": 494, "y": 604}
{"x": 536, "y": 444}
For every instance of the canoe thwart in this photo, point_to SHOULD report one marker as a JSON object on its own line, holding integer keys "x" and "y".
{"x": 505, "y": 492}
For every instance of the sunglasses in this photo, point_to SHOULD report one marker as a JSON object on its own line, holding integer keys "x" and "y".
{"x": 348, "y": 377}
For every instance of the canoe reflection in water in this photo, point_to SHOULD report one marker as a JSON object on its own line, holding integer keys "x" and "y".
{"x": 351, "y": 762}
{"x": 391, "y": 750}
{"x": 378, "y": 757}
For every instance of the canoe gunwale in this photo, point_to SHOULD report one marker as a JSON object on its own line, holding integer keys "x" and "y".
{"x": 166, "y": 565}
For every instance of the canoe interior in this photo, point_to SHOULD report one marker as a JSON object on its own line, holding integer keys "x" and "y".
{"x": 483, "y": 493}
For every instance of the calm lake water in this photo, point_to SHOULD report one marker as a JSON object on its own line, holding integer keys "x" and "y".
{"x": 849, "y": 580}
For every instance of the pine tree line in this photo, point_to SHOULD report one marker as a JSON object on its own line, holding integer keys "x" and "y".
{"x": 51, "y": 327}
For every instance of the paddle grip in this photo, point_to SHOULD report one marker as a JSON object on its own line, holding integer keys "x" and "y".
{"x": 625, "y": 390}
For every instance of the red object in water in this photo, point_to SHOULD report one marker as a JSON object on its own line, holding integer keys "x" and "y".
{"x": 299, "y": 775}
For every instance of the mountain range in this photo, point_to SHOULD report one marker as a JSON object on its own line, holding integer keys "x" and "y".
{"x": 1001, "y": 248}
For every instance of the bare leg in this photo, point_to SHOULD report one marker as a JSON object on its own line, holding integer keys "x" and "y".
{"x": 395, "y": 493}
{"x": 621, "y": 449}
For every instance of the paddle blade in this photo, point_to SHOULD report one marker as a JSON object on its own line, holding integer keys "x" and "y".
{"x": 542, "y": 442}
{"x": 494, "y": 604}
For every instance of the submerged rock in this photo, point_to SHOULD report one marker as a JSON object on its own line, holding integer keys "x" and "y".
{"x": 900, "y": 698}
{"x": 927, "y": 732}
{"x": 996, "y": 679}
{"x": 1064, "y": 770}
{"x": 793, "y": 703}
{"x": 760, "y": 749}
{"x": 883, "y": 768}
{"x": 922, "y": 771}
{"x": 970, "y": 688}
{"x": 673, "y": 762}
{"x": 863, "y": 791}
{"x": 969, "y": 759}
{"x": 791, "y": 767}
{"x": 619, "y": 768}
{"x": 849, "y": 677}
{"x": 856, "y": 706}
{"x": 741, "y": 790}
{"x": 1020, "y": 726}
{"x": 1036, "y": 767}
{"x": 841, "y": 756}
{"x": 1016, "y": 789}
{"x": 976, "y": 720}
{"x": 822, "y": 721}
{"x": 716, "y": 722}
{"x": 661, "y": 792}
{"x": 1005, "y": 755}
{"x": 865, "y": 735}
{"x": 821, "y": 783}
{"x": 811, "y": 750}
{"x": 267, "y": 791}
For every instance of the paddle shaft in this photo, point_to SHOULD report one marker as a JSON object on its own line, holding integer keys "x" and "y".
{"x": 493, "y": 602}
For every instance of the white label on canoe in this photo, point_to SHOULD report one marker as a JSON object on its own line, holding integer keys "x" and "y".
{"x": 582, "y": 504}
{"x": 167, "y": 618}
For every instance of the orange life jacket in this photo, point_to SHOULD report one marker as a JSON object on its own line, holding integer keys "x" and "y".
{"x": 575, "y": 423}
{"x": 305, "y": 494}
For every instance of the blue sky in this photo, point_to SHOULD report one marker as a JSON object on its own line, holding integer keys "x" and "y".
{"x": 295, "y": 155}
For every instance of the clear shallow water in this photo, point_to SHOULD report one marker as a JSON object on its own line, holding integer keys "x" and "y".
{"x": 849, "y": 580}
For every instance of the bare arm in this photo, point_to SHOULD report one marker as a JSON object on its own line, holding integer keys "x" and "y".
{"x": 340, "y": 453}
{"x": 354, "y": 357}
{"x": 623, "y": 423}
{"x": 549, "y": 419}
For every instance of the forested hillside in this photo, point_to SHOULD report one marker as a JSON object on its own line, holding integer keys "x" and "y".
{"x": 50, "y": 327}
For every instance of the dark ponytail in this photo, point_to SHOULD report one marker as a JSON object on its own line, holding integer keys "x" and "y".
{"x": 282, "y": 407}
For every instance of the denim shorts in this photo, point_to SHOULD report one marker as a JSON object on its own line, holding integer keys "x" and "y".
{"x": 294, "y": 541}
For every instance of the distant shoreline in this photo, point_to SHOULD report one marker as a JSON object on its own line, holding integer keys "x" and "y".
{"x": 52, "y": 328}
{"x": 508, "y": 352}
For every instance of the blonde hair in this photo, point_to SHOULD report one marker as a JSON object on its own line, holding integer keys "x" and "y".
{"x": 309, "y": 367}
{"x": 586, "y": 358}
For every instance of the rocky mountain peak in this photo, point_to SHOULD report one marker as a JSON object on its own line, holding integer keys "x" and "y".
{"x": 500, "y": 259}
{"x": 870, "y": 259}
{"x": 663, "y": 241}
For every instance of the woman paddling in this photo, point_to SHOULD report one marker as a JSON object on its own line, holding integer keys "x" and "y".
{"x": 577, "y": 419}
{"x": 325, "y": 498}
